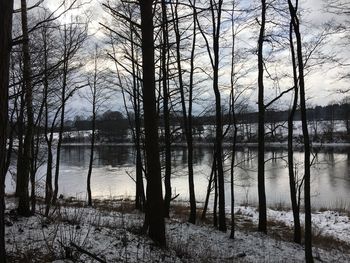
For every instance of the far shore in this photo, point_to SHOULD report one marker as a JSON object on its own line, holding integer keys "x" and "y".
{"x": 226, "y": 144}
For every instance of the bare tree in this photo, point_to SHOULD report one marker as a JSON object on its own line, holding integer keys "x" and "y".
{"x": 292, "y": 178}
{"x": 126, "y": 39}
{"x": 307, "y": 163}
{"x": 261, "y": 124}
{"x": 166, "y": 115}
{"x": 96, "y": 96}
{"x": 24, "y": 166}
{"x": 6, "y": 8}
{"x": 186, "y": 112}
{"x": 215, "y": 10}
{"x": 73, "y": 36}
{"x": 154, "y": 219}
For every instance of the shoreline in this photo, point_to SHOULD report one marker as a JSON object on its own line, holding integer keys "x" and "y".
{"x": 226, "y": 144}
{"x": 116, "y": 222}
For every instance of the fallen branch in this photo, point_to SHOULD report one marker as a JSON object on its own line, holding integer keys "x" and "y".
{"x": 81, "y": 250}
{"x": 174, "y": 197}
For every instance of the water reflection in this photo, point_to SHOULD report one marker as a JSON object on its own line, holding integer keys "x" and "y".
{"x": 113, "y": 166}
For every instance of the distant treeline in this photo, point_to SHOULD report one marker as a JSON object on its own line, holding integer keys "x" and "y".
{"x": 113, "y": 121}
{"x": 329, "y": 112}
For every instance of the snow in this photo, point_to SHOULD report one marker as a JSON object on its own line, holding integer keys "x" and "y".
{"x": 329, "y": 223}
{"x": 112, "y": 234}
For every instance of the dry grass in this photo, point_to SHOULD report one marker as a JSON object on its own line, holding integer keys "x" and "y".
{"x": 30, "y": 256}
{"x": 180, "y": 210}
{"x": 276, "y": 229}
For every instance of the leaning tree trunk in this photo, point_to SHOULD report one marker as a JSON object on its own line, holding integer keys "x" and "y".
{"x": 154, "y": 208}
{"x": 261, "y": 123}
{"x": 6, "y": 8}
{"x": 209, "y": 188}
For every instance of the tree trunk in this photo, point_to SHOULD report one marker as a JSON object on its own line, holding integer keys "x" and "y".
{"x": 307, "y": 162}
{"x": 140, "y": 191}
{"x": 6, "y": 8}
{"x": 186, "y": 121}
{"x": 155, "y": 210}
{"x": 215, "y": 204}
{"x": 48, "y": 183}
{"x": 193, "y": 207}
{"x": 10, "y": 138}
{"x": 234, "y": 120}
{"x": 261, "y": 123}
{"x": 209, "y": 189}
{"x": 48, "y": 138}
{"x": 20, "y": 134}
{"x": 92, "y": 147}
{"x": 216, "y": 18}
{"x": 292, "y": 182}
{"x": 32, "y": 176}
{"x": 61, "y": 127}
{"x": 24, "y": 172}
{"x": 164, "y": 54}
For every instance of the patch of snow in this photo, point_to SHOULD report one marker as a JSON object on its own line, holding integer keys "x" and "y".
{"x": 114, "y": 236}
{"x": 330, "y": 223}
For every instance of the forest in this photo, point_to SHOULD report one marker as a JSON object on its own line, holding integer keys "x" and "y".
{"x": 180, "y": 109}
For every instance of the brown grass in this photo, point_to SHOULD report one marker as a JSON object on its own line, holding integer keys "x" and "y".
{"x": 180, "y": 210}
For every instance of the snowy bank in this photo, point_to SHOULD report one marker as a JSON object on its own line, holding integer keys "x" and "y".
{"x": 112, "y": 233}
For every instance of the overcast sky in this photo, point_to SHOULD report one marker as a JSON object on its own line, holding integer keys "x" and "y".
{"x": 321, "y": 83}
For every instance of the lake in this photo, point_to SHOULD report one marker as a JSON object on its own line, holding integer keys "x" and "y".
{"x": 114, "y": 168}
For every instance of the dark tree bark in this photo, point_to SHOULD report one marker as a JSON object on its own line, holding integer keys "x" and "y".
{"x": 164, "y": 56}
{"x": 307, "y": 151}
{"x": 63, "y": 108}
{"x": 154, "y": 208}
{"x": 209, "y": 189}
{"x": 36, "y": 162}
{"x": 137, "y": 94}
{"x": 215, "y": 205}
{"x": 234, "y": 121}
{"x": 24, "y": 168}
{"x": 140, "y": 198}
{"x": 292, "y": 181}
{"x": 6, "y": 9}
{"x": 48, "y": 137}
{"x": 20, "y": 134}
{"x": 186, "y": 115}
{"x": 12, "y": 131}
{"x": 140, "y": 191}
{"x": 216, "y": 8}
{"x": 261, "y": 123}
{"x": 93, "y": 88}
{"x": 193, "y": 207}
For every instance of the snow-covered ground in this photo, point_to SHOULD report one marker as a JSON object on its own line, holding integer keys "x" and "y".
{"x": 112, "y": 234}
{"x": 328, "y": 223}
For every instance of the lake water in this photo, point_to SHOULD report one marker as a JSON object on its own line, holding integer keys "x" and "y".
{"x": 114, "y": 167}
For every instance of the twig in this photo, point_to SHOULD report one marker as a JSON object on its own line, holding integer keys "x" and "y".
{"x": 81, "y": 250}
